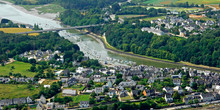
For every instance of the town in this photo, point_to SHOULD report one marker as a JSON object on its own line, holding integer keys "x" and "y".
{"x": 167, "y": 86}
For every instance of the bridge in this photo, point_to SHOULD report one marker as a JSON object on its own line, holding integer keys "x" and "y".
{"x": 60, "y": 29}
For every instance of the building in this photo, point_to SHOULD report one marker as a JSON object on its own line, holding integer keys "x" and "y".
{"x": 207, "y": 97}
{"x": 153, "y": 30}
{"x": 168, "y": 98}
{"x": 99, "y": 90}
{"x": 149, "y": 92}
{"x": 84, "y": 104}
{"x": 69, "y": 92}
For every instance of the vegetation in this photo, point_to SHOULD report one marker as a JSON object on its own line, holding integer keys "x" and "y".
{"x": 18, "y": 67}
{"x": 130, "y": 38}
{"x": 16, "y": 91}
{"x": 12, "y": 45}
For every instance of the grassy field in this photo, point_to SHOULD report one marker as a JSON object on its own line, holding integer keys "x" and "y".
{"x": 51, "y": 8}
{"x": 17, "y": 30}
{"x": 78, "y": 98}
{"x": 182, "y": 1}
{"x": 130, "y": 16}
{"x": 19, "y": 67}
{"x": 154, "y": 18}
{"x": 16, "y": 91}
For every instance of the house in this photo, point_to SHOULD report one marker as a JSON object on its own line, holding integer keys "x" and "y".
{"x": 99, "y": 90}
{"x": 50, "y": 106}
{"x": 71, "y": 81}
{"x": 188, "y": 89}
{"x": 178, "y": 89}
{"x": 46, "y": 86}
{"x": 42, "y": 99}
{"x": 168, "y": 90}
{"x": 29, "y": 100}
{"x": 123, "y": 93}
{"x": 140, "y": 87}
{"x": 59, "y": 106}
{"x": 100, "y": 98}
{"x": 69, "y": 92}
{"x": 19, "y": 100}
{"x": 149, "y": 92}
{"x": 193, "y": 96}
{"x": 58, "y": 73}
{"x": 153, "y": 30}
{"x": 66, "y": 72}
{"x": 111, "y": 93}
{"x": 177, "y": 82}
{"x": 109, "y": 84}
{"x": 207, "y": 97}
{"x": 6, "y": 102}
{"x": 111, "y": 78}
{"x": 127, "y": 83}
{"x": 135, "y": 92}
{"x": 40, "y": 106}
{"x": 84, "y": 104}
{"x": 168, "y": 98}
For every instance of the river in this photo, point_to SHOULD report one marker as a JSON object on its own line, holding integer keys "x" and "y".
{"x": 88, "y": 45}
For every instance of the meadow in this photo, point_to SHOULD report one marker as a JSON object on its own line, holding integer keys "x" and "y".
{"x": 19, "y": 67}
{"x": 9, "y": 91}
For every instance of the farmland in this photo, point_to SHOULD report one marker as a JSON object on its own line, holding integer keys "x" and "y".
{"x": 19, "y": 67}
{"x": 17, "y": 30}
{"x": 16, "y": 91}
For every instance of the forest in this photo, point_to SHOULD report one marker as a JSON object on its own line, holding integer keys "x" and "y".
{"x": 140, "y": 10}
{"x": 12, "y": 45}
{"x": 198, "y": 49}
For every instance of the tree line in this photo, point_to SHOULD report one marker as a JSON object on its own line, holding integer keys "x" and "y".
{"x": 198, "y": 49}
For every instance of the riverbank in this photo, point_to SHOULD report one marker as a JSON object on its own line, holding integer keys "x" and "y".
{"x": 108, "y": 47}
{"x": 33, "y": 11}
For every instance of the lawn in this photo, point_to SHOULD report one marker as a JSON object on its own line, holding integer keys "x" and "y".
{"x": 78, "y": 98}
{"x": 126, "y": 98}
{"x": 49, "y": 82}
{"x": 16, "y": 91}
{"x": 19, "y": 67}
{"x": 17, "y": 30}
{"x": 78, "y": 87}
{"x": 154, "y": 18}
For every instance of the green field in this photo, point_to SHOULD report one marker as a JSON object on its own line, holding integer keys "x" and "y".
{"x": 78, "y": 98}
{"x": 154, "y": 18}
{"x": 19, "y": 67}
{"x": 16, "y": 91}
{"x": 182, "y": 1}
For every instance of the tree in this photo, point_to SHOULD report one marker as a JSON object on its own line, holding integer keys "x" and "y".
{"x": 135, "y": 78}
{"x": 92, "y": 101}
{"x": 3, "y": 64}
{"x": 33, "y": 68}
{"x": 202, "y": 6}
{"x": 176, "y": 95}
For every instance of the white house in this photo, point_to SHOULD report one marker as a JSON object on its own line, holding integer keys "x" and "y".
{"x": 84, "y": 104}
{"x": 69, "y": 92}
